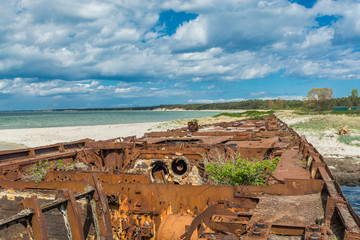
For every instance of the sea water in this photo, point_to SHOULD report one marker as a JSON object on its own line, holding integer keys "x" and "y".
{"x": 42, "y": 119}
{"x": 352, "y": 194}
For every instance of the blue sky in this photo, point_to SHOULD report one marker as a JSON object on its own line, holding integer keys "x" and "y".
{"x": 84, "y": 54}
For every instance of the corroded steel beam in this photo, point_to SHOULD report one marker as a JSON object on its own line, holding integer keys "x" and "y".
{"x": 37, "y": 220}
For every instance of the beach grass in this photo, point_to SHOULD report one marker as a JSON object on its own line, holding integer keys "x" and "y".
{"x": 353, "y": 140}
{"x": 248, "y": 114}
{"x": 328, "y": 122}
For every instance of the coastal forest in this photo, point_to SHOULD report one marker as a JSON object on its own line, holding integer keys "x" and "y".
{"x": 318, "y": 99}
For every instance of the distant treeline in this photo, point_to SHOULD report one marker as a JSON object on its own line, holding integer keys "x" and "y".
{"x": 319, "y": 99}
{"x": 245, "y": 105}
{"x": 248, "y": 104}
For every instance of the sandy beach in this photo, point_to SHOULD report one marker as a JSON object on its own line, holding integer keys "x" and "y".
{"x": 33, "y": 137}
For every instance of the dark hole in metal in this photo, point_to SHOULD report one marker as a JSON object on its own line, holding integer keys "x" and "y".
{"x": 157, "y": 167}
{"x": 179, "y": 166}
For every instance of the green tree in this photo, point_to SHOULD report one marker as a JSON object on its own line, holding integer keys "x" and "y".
{"x": 271, "y": 104}
{"x": 280, "y": 103}
{"x": 354, "y": 97}
{"x": 318, "y": 98}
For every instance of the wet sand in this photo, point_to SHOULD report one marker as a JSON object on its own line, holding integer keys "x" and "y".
{"x": 10, "y": 146}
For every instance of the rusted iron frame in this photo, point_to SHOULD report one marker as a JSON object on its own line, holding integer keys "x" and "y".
{"x": 105, "y": 145}
{"x": 180, "y": 134}
{"x": 315, "y": 232}
{"x": 347, "y": 219}
{"x": 336, "y": 196}
{"x": 290, "y": 187}
{"x": 205, "y": 217}
{"x": 20, "y": 163}
{"x": 31, "y": 152}
{"x": 24, "y": 214}
{"x": 259, "y": 230}
{"x": 273, "y": 177}
{"x": 114, "y": 178}
{"x": 303, "y": 186}
{"x": 77, "y": 186}
{"x": 309, "y": 151}
{"x": 101, "y": 211}
{"x": 36, "y": 218}
{"x": 72, "y": 215}
{"x": 282, "y": 229}
{"x": 24, "y": 162}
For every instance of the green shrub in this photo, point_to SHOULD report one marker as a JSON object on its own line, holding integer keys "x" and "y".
{"x": 241, "y": 171}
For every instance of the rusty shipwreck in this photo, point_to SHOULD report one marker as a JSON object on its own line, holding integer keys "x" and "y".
{"x": 155, "y": 187}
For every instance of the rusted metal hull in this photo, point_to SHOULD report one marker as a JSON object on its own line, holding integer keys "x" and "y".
{"x": 156, "y": 187}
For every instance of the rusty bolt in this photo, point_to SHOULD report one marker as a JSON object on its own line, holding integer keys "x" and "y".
{"x": 256, "y": 232}
{"x": 260, "y": 224}
{"x": 314, "y": 228}
{"x": 314, "y": 236}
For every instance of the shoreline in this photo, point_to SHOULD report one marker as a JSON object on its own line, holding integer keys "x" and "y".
{"x": 11, "y": 139}
{"x": 18, "y": 138}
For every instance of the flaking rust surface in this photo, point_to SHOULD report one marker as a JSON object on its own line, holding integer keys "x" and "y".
{"x": 290, "y": 209}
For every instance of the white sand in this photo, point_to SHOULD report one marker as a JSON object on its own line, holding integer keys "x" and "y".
{"x": 326, "y": 142}
{"x": 329, "y": 146}
{"x": 33, "y": 137}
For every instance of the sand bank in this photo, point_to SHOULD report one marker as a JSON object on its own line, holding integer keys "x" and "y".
{"x": 33, "y": 137}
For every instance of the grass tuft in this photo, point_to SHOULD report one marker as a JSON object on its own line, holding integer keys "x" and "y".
{"x": 328, "y": 122}
{"x": 350, "y": 140}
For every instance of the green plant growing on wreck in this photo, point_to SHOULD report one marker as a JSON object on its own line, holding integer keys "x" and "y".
{"x": 240, "y": 171}
{"x": 60, "y": 166}
{"x": 39, "y": 170}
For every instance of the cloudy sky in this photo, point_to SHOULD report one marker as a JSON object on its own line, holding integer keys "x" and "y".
{"x": 123, "y": 53}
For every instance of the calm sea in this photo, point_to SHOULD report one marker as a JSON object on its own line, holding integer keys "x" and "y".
{"x": 41, "y": 119}
{"x": 352, "y": 194}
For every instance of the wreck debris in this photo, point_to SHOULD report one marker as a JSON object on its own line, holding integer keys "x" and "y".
{"x": 156, "y": 187}
{"x": 344, "y": 131}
